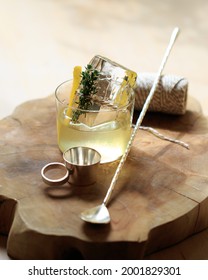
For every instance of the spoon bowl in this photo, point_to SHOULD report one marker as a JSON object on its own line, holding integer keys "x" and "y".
{"x": 96, "y": 215}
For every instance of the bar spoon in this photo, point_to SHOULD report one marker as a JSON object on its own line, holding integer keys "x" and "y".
{"x": 100, "y": 213}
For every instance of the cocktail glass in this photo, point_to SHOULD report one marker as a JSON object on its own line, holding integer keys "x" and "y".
{"x": 106, "y": 127}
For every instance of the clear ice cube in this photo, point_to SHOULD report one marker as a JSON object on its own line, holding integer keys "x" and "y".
{"x": 112, "y": 69}
{"x": 111, "y": 87}
{"x": 112, "y": 77}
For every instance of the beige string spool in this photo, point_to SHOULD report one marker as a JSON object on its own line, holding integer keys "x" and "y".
{"x": 170, "y": 96}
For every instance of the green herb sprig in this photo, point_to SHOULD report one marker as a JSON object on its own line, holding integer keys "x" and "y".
{"x": 86, "y": 91}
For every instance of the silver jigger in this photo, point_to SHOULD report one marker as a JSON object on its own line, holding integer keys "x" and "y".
{"x": 79, "y": 167}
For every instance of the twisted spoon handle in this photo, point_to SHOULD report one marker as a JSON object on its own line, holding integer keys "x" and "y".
{"x": 142, "y": 114}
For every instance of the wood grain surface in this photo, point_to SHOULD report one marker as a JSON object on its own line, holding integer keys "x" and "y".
{"x": 161, "y": 197}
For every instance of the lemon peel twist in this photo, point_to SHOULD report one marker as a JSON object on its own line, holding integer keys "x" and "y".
{"x": 76, "y": 82}
{"x": 122, "y": 95}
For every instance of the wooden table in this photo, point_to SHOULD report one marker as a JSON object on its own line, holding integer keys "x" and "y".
{"x": 160, "y": 199}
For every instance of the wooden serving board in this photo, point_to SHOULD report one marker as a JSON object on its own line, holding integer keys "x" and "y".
{"x": 160, "y": 199}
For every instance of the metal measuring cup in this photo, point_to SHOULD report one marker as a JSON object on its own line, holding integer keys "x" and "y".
{"x": 79, "y": 167}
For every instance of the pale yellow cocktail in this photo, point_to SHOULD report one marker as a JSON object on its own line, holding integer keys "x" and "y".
{"x": 105, "y": 127}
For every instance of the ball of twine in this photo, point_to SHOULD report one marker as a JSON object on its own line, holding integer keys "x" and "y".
{"x": 170, "y": 96}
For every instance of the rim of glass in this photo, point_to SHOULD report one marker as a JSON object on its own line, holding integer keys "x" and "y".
{"x": 65, "y": 103}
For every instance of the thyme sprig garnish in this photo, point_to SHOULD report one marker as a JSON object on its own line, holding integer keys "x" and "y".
{"x": 86, "y": 91}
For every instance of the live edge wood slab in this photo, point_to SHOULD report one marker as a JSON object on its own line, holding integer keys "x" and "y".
{"x": 161, "y": 197}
